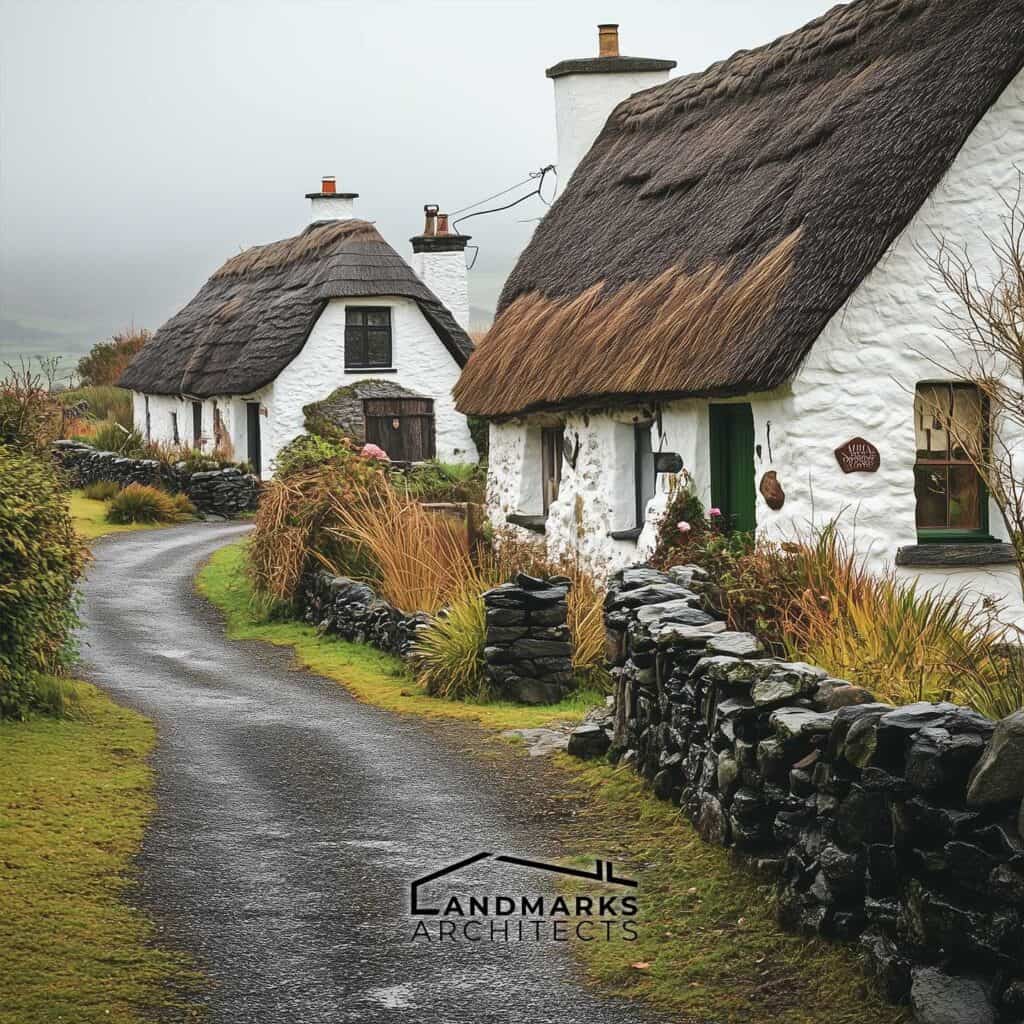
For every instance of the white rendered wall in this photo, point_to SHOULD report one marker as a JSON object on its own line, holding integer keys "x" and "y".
{"x": 582, "y": 105}
{"x": 858, "y": 380}
{"x": 444, "y": 273}
{"x": 331, "y": 208}
{"x": 421, "y": 363}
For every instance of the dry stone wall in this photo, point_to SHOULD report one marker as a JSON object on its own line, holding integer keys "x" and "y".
{"x": 896, "y": 827}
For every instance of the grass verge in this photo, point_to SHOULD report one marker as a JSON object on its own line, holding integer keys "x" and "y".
{"x": 707, "y": 933}
{"x": 74, "y": 799}
{"x": 370, "y": 675}
{"x": 90, "y": 518}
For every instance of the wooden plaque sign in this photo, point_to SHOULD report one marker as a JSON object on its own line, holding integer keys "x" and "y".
{"x": 858, "y": 456}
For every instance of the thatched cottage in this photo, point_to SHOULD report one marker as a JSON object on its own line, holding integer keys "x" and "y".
{"x": 334, "y": 314}
{"x": 732, "y": 282}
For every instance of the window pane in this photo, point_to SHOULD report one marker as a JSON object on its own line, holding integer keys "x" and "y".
{"x": 964, "y": 498}
{"x": 355, "y": 346}
{"x": 931, "y": 411}
{"x": 354, "y": 317}
{"x": 378, "y": 348}
{"x": 966, "y": 422}
{"x": 930, "y": 492}
{"x": 378, "y": 318}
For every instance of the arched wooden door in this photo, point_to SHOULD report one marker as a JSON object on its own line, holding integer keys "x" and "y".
{"x": 403, "y": 427}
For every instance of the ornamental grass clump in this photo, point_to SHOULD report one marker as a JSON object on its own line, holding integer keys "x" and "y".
{"x": 101, "y": 490}
{"x": 448, "y": 656}
{"x": 140, "y": 503}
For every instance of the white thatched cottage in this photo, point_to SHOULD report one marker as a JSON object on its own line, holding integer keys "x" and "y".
{"x": 732, "y": 281}
{"x": 282, "y": 326}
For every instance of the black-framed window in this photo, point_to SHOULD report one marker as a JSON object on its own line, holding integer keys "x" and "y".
{"x": 367, "y": 337}
{"x": 174, "y": 428}
{"x": 643, "y": 471}
{"x": 951, "y": 423}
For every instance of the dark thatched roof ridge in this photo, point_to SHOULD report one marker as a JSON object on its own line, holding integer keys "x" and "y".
{"x": 254, "y": 315}
{"x": 721, "y": 219}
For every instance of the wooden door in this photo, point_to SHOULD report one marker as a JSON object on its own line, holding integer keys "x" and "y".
{"x": 197, "y": 424}
{"x": 254, "y": 448}
{"x": 732, "y": 464}
{"x": 403, "y": 427}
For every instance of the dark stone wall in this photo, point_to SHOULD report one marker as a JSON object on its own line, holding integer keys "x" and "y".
{"x": 351, "y": 610}
{"x": 898, "y": 828}
{"x": 528, "y": 654}
{"x": 223, "y": 492}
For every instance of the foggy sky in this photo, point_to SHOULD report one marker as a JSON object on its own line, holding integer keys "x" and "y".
{"x": 142, "y": 143}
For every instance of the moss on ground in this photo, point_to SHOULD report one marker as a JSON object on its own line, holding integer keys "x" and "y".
{"x": 709, "y": 946}
{"x": 74, "y": 800}
{"x": 90, "y": 518}
{"x": 370, "y": 675}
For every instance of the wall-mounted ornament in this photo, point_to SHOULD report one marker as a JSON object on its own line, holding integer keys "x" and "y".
{"x": 668, "y": 462}
{"x": 570, "y": 450}
{"x": 858, "y": 456}
{"x": 771, "y": 490}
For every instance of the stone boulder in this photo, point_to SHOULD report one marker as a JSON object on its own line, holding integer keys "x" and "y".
{"x": 940, "y": 998}
{"x": 999, "y": 776}
{"x": 588, "y": 741}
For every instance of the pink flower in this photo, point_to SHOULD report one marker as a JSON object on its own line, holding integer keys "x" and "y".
{"x": 372, "y": 451}
{"x": 684, "y": 527}
{"x": 713, "y": 512}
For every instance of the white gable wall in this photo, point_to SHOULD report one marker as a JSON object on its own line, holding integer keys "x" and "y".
{"x": 858, "y": 380}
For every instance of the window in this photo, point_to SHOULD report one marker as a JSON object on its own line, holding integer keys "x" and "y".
{"x": 643, "y": 471}
{"x": 197, "y": 424}
{"x": 551, "y": 441}
{"x": 148, "y": 430}
{"x": 951, "y": 424}
{"x": 367, "y": 337}
{"x": 174, "y": 428}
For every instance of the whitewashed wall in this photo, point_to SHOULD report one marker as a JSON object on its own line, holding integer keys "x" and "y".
{"x": 421, "y": 363}
{"x": 444, "y": 273}
{"x": 858, "y": 380}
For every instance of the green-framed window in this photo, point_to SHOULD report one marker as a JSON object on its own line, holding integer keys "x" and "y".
{"x": 951, "y": 422}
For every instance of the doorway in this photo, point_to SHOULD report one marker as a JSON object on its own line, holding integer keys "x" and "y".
{"x": 253, "y": 448}
{"x": 403, "y": 427}
{"x": 732, "y": 464}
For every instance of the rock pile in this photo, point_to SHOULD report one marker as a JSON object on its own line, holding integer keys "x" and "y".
{"x": 897, "y": 827}
{"x": 351, "y": 610}
{"x": 529, "y": 651}
{"x": 222, "y": 492}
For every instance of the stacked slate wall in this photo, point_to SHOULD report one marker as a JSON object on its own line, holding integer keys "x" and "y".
{"x": 224, "y": 492}
{"x": 899, "y": 828}
{"x": 352, "y": 610}
{"x": 528, "y": 655}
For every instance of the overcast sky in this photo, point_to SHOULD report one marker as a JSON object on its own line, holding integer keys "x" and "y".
{"x": 145, "y": 141}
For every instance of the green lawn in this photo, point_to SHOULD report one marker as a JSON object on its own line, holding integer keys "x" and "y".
{"x": 74, "y": 799}
{"x": 90, "y": 518}
{"x": 708, "y": 938}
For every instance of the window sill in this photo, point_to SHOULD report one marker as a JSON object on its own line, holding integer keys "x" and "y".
{"x": 956, "y": 554}
{"x": 633, "y": 534}
{"x": 371, "y": 369}
{"x": 536, "y": 524}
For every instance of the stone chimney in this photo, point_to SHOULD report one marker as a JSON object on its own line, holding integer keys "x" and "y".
{"x": 588, "y": 89}
{"x": 329, "y": 203}
{"x": 439, "y": 260}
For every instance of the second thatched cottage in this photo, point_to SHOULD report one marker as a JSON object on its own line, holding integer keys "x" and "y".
{"x": 333, "y": 316}
{"x": 732, "y": 282}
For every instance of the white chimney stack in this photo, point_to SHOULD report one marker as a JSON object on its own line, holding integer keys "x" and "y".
{"x": 329, "y": 203}
{"x": 588, "y": 89}
{"x": 439, "y": 260}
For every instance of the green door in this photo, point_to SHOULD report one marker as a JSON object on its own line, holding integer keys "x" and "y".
{"x": 732, "y": 463}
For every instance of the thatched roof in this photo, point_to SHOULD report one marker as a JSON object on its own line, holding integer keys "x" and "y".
{"x": 721, "y": 219}
{"x": 254, "y": 315}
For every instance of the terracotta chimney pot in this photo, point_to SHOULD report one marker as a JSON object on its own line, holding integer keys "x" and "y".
{"x": 430, "y": 220}
{"x": 442, "y": 223}
{"x": 328, "y": 186}
{"x": 608, "y": 40}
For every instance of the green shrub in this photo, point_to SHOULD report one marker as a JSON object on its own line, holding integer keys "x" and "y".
{"x": 41, "y": 559}
{"x": 308, "y": 451}
{"x": 138, "y": 503}
{"x": 112, "y": 437}
{"x": 449, "y": 653}
{"x": 101, "y": 490}
{"x": 104, "y": 402}
{"x": 435, "y": 481}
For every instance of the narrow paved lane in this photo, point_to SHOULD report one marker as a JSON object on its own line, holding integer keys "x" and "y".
{"x": 291, "y": 819}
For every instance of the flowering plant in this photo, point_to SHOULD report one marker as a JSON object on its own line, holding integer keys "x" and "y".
{"x": 372, "y": 451}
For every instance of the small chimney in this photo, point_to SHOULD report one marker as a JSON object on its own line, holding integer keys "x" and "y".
{"x": 329, "y": 203}
{"x": 587, "y": 90}
{"x": 439, "y": 260}
{"x": 608, "y": 40}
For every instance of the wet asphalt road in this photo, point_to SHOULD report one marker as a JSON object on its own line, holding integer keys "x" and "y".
{"x": 291, "y": 820}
